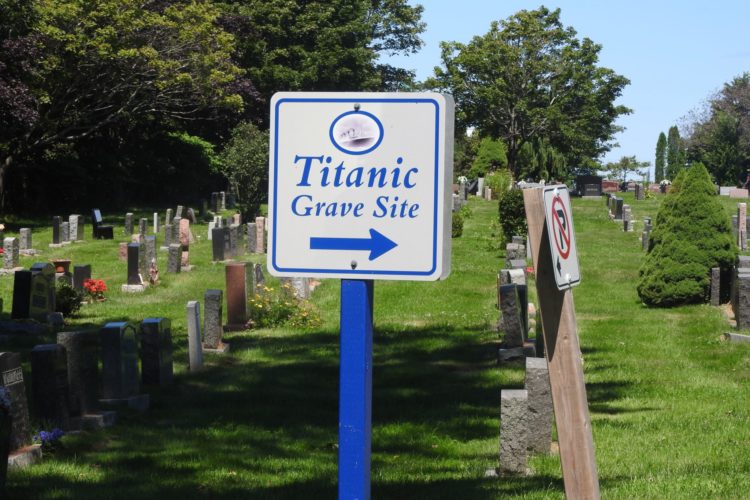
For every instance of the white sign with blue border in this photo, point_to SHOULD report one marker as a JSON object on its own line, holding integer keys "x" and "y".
{"x": 360, "y": 185}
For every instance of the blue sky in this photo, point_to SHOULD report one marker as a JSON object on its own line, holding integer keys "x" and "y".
{"x": 676, "y": 54}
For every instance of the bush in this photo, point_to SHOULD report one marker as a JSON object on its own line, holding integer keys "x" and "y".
{"x": 67, "y": 299}
{"x": 512, "y": 213}
{"x": 244, "y": 162}
{"x": 692, "y": 235}
{"x": 490, "y": 156}
{"x": 278, "y": 307}
{"x": 498, "y": 181}
{"x": 457, "y": 228}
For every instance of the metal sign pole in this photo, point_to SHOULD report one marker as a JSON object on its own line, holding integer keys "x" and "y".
{"x": 355, "y": 389}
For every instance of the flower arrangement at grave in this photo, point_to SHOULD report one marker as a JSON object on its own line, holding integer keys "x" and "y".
{"x": 95, "y": 288}
{"x": 50, "y": 440}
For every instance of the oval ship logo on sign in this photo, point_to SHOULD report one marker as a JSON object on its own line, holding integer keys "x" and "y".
{"x": 356, "y": 132}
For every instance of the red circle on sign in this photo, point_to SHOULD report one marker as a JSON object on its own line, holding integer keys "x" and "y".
{"x": 560, "y": 228}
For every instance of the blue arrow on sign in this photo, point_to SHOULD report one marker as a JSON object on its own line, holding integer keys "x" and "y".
{"x": 376, "y": 244}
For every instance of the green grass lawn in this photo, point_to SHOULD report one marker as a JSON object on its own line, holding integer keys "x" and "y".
{"x": 669, "y": 401}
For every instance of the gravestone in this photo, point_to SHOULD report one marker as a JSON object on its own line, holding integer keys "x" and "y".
{"x": 42, "y": 291}
{"x": 217, "y": 244}
{"x": 259, "y": 279}
{"x": 65, "y": 232}
{"x": 301, "y": 287}
{"x": 715, "y": 286}
{"x": 178, "y": 212}
{"x": 134, "y": 275}
{"x": 156, "y": 351}
{"x": 540, "y": 414}
{"x": 618, "y": 204}
{"x": 49, "y": 382}
{"x": 191, "y": 216}
{"x": 236, "y": 285}
{"x": 237, "y": 219}
{"x": 234, "y": 240}
{"x": 150, "y": 250}
{"x": 56, "y": 230}
{"x": 195, "y": 350}
{"x": 21, "y": 308}
{"x": 212, "y": 312}
{"x": 627, "y": 219}
{"x": 211, "y": 227}
{"x": 174, "y": 262}
{"x": 185, "y": 242}
{"x": 25, "y": 239}
{"x": 742, "y": 225}
{"x": 215, "y": 203}
{"x": 513, "y": 431}
{"x": 142, "y": 227}
{"x": 12, "y": 380}
{"x": 252, "y": 240}
{"x": 82, "y": 348}
{"x": 10, "y": 253}
{"x": 168, "y": 218}
{"x": 156, "y": 223}
{"x": 511, "y": 322}
{"x": 129, "y": 223}
{"x": 639, "y": 192}
{"x": 168, "y": 235}
{"x": 119, "y": 351}
{"x": 76, "y": 224}
{"x": 222, "y": 200}
{"x": 81, "y": 273}
{"x": 260, "y": 235}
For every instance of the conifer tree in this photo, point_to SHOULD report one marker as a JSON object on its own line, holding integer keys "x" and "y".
{"x": 661, "y": 157}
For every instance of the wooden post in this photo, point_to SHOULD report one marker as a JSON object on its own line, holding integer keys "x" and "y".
{"x": 563, "y": 354}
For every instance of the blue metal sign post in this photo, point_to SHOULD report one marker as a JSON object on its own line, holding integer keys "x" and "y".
{"x": 355, "y": 389}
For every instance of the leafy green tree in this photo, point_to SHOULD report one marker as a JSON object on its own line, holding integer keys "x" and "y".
{"x": 244, "y": 162}
{"x": 676, "y": 156}
{"x": 693, "y": 235}
{"x": 538, "y": 159}
{"x": 110, "y": 66}
{"x": 661, "y": 157}
{"x": 528, "y": 77}
{"x": 625, "y": 166}
{"x": 512, "y": 213}
{"x": 490, "y": 156}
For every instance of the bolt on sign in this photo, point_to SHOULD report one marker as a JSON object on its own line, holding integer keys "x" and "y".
{"x": 562, "y": 238}
{"x": 359, "y": 185}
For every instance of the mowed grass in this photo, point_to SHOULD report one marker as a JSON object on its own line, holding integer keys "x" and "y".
{"x": 668, "y": 399}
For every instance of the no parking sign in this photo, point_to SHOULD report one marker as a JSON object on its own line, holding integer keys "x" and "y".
{"x": 562, "y": 238}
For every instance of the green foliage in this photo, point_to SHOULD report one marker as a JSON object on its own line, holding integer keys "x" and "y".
{"x": 273, "y": 307}
{"x": 465, "y": 149}
{"x": 537, "y": 160}
{"x": 457, "y": 224}
{"x": 676, "y": 156}
{"x": 692, "y": 235}
{"x": 512, "y": 213}
{"x": 491, "y": 156}
{"x": 244, "y": 162}
{"x": 498, "y": 181}
{"x": 529, "y": 77}
{"x": 67, "y": 299}
{"x": 661, "y": 157}
{"x": 626, "y": 165}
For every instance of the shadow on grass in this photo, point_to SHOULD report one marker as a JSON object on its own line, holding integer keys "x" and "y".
{"x": 263, "y": 423}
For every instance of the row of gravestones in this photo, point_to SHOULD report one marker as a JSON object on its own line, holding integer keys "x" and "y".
{"x": 513, "y": 303}
{"x": 68, "y": 390}
{"x": 619, "y": 211}
{"x": 226, "y": 238}
{"x": 65, "y": 232}
{"x": 740, "y": 225}
{"x": 460, "y": 195}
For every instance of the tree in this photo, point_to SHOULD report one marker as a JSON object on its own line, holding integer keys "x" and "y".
{"x": 692, "y": 235}
{"x": 244, "y": 162}
{"x": 115, "y": 65}
{"x": 322, "y": 45}
{"x": 675, "y": 153}
{"x": 528, "y": 77}
{"x": 626, "y": 165}
{"x": 490, "y": 156}
{"x": 661, "y": 157}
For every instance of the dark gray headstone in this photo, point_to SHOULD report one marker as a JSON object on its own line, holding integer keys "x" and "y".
{"x": 119, "y": 350}
{"x": 65, "y": 231}
{"x": 219, "y": 235}
{"x": 234, "y": 240}
{"x": 134, "y": 276}
{"x": 168, "y": 240}
{"x": 12, "y": 380}
{"x": 42, "y": 291}
{"x": 168, "y": 217}
{"x": 212, "y": 324}
{"x": 512, "y": 325}
{"x": 80, "y": 274}
{"x": 215, "y": 202}
{"x": 150, "y": 246}
{"x": 21, "y": 308}
{"x": 10, "y": 253}
{"x": 49, "y": 382}
{"x": 259, "y": 279}
{"x": 128, "y": 223}
{"x": 156, "y": 351}
{"x": 715, "y": 286}
{"x": 56, "y": 230}
{"x": 143, "y": 227}
{"x": 83, "y": 369}
{"x": 25, "y": 239}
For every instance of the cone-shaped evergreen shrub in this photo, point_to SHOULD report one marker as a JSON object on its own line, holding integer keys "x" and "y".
{"x": 692, "y": 234}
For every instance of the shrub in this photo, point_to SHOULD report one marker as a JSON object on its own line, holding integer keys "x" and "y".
{"x": 67, "y": 299}
{"x": 457, "y": 228}
{"x": 244, "y": 162}
{"x": 498, "y": 181}
{"x": 512, "y": 213}
{"x": 278, "y": 307}
{"x": 490, "y": 156}
{"x": 692, "y": 234}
